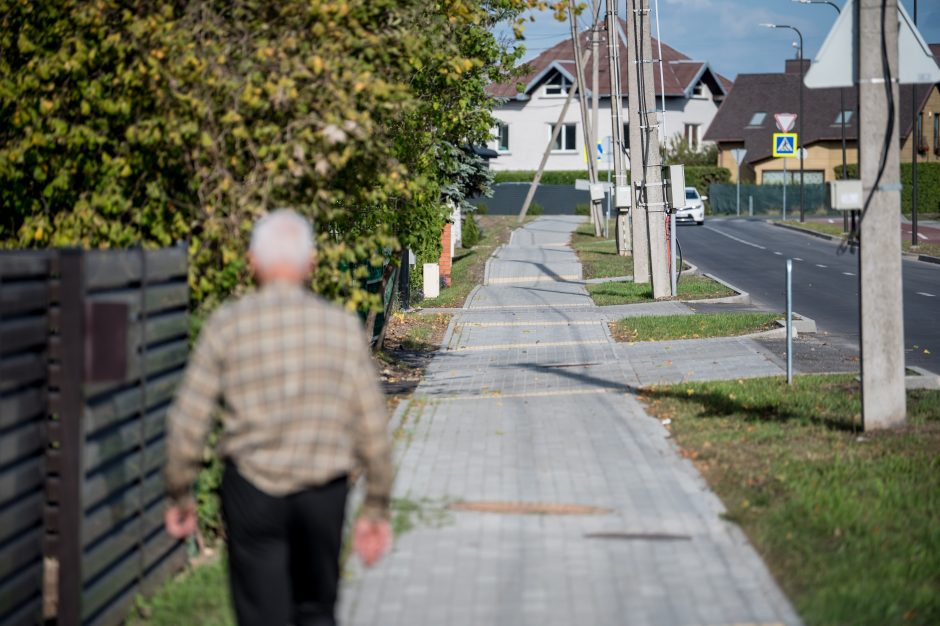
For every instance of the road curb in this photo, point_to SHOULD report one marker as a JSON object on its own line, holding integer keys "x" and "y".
{"x": 742, "y": 296}
{"x": 926, "y": 258}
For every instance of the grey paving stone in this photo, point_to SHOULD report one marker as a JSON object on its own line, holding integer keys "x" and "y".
{"x": 532, "y": 403}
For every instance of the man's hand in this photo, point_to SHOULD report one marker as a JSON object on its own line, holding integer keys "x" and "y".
{"x": 371, "y": 539}
{"x": 180, "y": 520}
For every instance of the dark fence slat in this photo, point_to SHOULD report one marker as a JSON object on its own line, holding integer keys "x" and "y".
{"x": 19, "y": 553}
{"x": 18, "y": 264}
{"x": 21, "y": 478}
{"x": 123, "y": 404}
{"x": 22, "y": 512}
{"x": 27, "y": 615}
{"x": 156, "y": 298}
{"x": 154, "y": 361}
{"x": 104, "y": 554}
{"x": 116, "y": 510}
{"x": 22, "y": 404}
{"x": 23, "y": 333}
{"x": 130, "y": 436}
{"x": 20, "y": 442}
{"x": 21, "y": 587}
{"x": 107, "y": 269}
{"x": 21, "y": 370}
{"x": 20, "y": 298}
{"x": 116, "y": 476}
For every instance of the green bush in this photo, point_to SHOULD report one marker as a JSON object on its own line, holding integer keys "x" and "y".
{"x": 470, "y": 231}
{"x": 582, "y": 209}
{"x": 928, "y": 185}
{"x": 535, "y": 209}
{"x": 701, "y": 176}
{"x": 556, "y": 177}
{"x": 481, "y": 209}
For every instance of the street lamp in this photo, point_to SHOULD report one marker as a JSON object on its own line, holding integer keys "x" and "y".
{"x": 841, "y": 107}
{"x": 800, "y": 114}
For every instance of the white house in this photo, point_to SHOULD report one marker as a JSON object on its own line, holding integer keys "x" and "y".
{"x": 693, "y": 94}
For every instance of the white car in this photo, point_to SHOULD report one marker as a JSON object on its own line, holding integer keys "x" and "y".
{"x": 694, "y": 210}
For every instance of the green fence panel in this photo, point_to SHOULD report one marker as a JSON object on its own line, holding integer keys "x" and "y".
{"x": 767, "y": 200}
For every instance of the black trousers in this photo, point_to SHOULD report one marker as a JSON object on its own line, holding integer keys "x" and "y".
{"x": 283, "y": 552}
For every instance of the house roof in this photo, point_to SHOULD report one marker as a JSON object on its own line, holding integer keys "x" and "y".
{"x": 681, "y": 73}
{"x": 778, "y": 93}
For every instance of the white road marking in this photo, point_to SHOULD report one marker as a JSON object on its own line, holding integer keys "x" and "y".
{"x": 821, "y": 265}
{"x": 848, "y": 274}
{"x": 924, "y": 293}
{"x": 724, "y": 234}
{"x": 779, "y": 253}
{"x": 922, "y": 236}
{"x": 797, "y": 259}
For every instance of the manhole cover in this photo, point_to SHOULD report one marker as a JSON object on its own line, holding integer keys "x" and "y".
{"x": 530, "y": 508}
{"x": 639, "y": 536}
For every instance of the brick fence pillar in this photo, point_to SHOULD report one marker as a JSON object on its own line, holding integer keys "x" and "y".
{"x": 445, "y": 260}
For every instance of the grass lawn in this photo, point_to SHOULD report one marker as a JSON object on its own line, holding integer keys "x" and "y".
{"x": 847, "y": 523}
{"x": 598, "y": 256}
{"x": 468, "y": 265}
{"x": 932, "y": 249}
{"x": 690, "y": 288}
{"x": 666, "y": 327}
{"x": 200, "y": 596}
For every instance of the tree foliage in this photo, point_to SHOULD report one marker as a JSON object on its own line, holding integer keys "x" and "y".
{"x": 152, "y": 122}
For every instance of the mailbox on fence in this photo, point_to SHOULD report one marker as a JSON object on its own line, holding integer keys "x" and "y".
{"x": 108, "y": 344}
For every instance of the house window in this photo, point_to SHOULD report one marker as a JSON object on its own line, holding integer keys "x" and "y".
{"x": 845, "y": 116}
{"x": 502, "y": 136}
{"x": 757, "y": 119}
{"x": 698, "y": 90}
{"x": 775, "y": 177}
{"x": 558, "y": 85}
{"x": 921, "y": 140}
{"x": 692, "y": 135}
{"x": 566, "y": 137}
{"x": 936, "y": 133}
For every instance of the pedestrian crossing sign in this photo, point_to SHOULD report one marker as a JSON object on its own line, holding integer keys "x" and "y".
{"x": 785, "y": 145}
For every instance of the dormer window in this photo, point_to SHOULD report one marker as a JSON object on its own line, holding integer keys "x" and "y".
{"x": 558, "y": 85}
{"x": 843, "y": 117}
{"x": 698, "y": 91}
{"x": 758, "y": 119}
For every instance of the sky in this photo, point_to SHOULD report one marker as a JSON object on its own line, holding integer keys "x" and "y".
{"x": 726, "y": 33}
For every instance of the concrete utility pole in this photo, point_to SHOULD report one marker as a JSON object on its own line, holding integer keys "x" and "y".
{"x": 882, "y": 308}
{"x": 645, "y": 155}
{"x": 595, "y": 80}
{"x": 548, "y": 151}
{"x": 623, "y": 231}
{"x": 588, "y": 134}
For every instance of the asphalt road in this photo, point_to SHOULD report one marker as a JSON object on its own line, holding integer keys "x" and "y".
{"x": 751, "y": 255}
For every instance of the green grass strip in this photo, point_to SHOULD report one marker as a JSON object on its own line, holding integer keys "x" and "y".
{"x": 666, "y": 327}
{"x": 690, "y": 288}
{"x": 848, "y": 524}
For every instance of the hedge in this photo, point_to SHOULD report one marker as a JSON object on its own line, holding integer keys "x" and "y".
{"x": 928, "y": 185}
{"x": 698, "y": 176}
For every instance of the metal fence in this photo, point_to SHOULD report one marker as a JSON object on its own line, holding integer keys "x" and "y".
{"x": 106, "y": 347}
{"x": 767, "y": 200}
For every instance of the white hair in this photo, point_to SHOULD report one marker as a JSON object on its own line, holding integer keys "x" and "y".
{"x": 282, "y": 236}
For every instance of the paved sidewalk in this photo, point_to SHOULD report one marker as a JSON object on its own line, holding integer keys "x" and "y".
{"x": 531, "y": 402}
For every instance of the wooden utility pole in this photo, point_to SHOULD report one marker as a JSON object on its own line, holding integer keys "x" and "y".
{"x": 882, "y": 302}
{"x": 588, "y": 134}
{"x": 547, "y": 153}
{"x": 621, "y": 188}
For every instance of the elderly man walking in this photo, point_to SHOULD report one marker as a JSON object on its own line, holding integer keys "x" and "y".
{"x": 300, "y": 410}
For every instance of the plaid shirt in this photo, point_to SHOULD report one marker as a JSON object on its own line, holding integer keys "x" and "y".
{"x": 300, "y": 400}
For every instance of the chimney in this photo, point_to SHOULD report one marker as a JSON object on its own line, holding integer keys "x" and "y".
{"x": 793, "y": 66}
